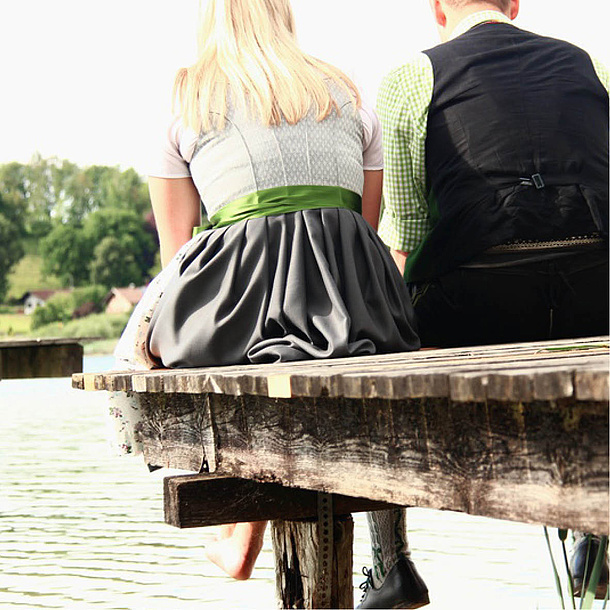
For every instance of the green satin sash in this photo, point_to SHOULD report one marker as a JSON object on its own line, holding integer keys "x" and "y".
{"x": 283, "y": 200}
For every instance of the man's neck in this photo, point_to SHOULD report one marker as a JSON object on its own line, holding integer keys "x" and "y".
{"x": 457, "y": 15}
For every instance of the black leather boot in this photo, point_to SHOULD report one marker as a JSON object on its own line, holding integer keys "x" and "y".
{"x": 403, "y": 587}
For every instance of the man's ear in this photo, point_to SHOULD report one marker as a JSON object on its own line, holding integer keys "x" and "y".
{"x": 514, "y": 9}
{"x": 439, "y": 13}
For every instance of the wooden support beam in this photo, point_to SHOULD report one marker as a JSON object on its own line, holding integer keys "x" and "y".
{"x": 207, "y": 499}
{"x": 301, "y": 578}
{"x": 543, "y": 462}
{"x": 29, "y": 358}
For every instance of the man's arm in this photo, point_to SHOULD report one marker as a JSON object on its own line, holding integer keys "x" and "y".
{"x": 602, "y": 73}
{"x": 403, "y": 103}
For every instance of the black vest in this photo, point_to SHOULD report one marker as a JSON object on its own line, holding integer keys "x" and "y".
{"x": 516, "y": 147}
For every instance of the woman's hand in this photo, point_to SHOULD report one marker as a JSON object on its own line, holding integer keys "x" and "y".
{"x": 177, "y": 208}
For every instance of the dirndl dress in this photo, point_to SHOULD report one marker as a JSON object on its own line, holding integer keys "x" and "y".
{"x": 274, "y": 280}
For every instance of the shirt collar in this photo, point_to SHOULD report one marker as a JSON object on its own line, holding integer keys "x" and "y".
{"x": 476, "y": 19}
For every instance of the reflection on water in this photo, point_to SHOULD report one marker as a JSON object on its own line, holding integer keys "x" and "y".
{"x": 80, "y": 528}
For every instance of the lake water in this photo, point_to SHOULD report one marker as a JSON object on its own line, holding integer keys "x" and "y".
{"x": 80, "y": 528}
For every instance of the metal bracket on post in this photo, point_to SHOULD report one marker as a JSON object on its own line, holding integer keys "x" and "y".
{"x": 325, "y": 548}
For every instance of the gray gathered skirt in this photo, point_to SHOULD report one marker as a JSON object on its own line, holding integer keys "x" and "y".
{"x": 310, "y": 284}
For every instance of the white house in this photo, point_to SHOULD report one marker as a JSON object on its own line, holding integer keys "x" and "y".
{"x": 36, "y": 298}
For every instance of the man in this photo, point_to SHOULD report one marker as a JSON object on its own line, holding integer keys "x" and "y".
{"x": 496, "y": 181}
{"x": 496, "y": 192}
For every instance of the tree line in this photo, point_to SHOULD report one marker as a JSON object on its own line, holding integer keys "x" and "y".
{"x": 90, "y": 225}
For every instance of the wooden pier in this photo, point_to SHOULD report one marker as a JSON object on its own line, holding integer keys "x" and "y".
{"x": 515, "y": 432}
{"x": 28, "y": 358}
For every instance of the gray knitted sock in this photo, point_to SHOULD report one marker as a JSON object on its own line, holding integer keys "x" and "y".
{"x": 388, "y": 531}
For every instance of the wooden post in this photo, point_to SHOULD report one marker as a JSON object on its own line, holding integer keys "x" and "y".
{"x": 301, "y": 577}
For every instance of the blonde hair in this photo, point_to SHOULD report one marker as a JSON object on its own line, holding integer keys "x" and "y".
{"x": 249, "y": 57}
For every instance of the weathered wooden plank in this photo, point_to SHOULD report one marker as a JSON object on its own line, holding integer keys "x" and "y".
{"x": 21, "y": 359}
{"x": 542, "y": 462}
{"x": 519, "y": 372}
{"x": 526, "y": 380}
{"x": 592, "y": 384}
{"x": 462, "y": 381}
{"x": 299, "y": 579}
{"x": 469, "y": 386}
{"x": 78, "y": 380}
{"x": 505, "y": 352}
{"x": 207, "y": 499}
{"x": 379, "y": 379}
{"x": 177, "y": 428}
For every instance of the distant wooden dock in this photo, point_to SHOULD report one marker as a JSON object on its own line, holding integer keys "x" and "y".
{"x": 515, "y": 432}
{"x": 28, "y": 358}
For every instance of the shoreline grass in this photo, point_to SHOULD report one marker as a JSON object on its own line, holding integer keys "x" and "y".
{"x": 99, "y": 332}
{"x": 102, "y": 347}
{"x": 14, "y": 324}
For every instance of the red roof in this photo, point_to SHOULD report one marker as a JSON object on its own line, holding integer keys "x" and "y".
{"x": 44, "y": 295}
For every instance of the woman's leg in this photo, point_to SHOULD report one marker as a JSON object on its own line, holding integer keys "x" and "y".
{"x": 237, "y": 547}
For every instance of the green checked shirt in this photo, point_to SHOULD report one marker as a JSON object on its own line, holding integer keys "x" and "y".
{"x": 402, "y": 105}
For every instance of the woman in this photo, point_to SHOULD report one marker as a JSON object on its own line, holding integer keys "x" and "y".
{"x": 277, "y": 147}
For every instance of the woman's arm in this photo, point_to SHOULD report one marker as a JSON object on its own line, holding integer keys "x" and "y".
{"x": 177, "y": 208}
{"x": 371, "y": 206}
{"x": 400, "y": 258}
{"x": 371, "y": 196}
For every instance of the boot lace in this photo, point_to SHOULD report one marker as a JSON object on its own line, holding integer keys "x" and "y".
{"x": 368, "y": 583}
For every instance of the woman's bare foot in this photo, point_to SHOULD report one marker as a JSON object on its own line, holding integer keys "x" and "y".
{"x": 236, "y": 548}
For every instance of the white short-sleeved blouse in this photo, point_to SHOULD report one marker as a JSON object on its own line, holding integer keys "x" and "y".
{"x": 178, "y": 144}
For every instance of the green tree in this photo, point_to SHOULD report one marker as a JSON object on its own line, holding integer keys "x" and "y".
{"x": 70, "y": 252}
{"x": 124, "y": 190}
{"x": 11, "y": 250}
{"x": 11, "y": 242}
{"x": 67, "y": 253}
{"x": 14, "y": 194}
{"x": 61, "y": 307}
{"x": 41, "y": 196}
{"x": 114, "y": 262}
{"x": 94, "y": 293}
{"x": 100, "y": 187}
{"x": 58, "y": 308}
{"x": 119, "y": 223}
{"x": 67, "y": 211}
{"x": 53, "y": 191}
{"x": 30, "y": 187}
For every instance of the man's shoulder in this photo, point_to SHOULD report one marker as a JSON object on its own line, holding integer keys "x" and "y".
{"x": 558, "y": 42}
{"x": 580, "y": 56}
{"x": 417, "y": 62}
{"x": 405, "y": 93}
{"x": 413, "y": 73}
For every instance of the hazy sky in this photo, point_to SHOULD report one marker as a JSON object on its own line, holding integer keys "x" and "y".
{"x": 89, "y": 81}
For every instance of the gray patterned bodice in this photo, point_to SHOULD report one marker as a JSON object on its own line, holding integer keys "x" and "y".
{"x": 247, "y": 156}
